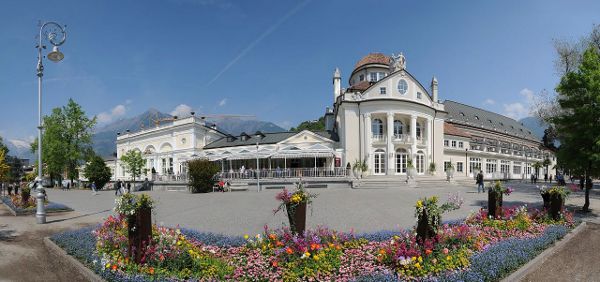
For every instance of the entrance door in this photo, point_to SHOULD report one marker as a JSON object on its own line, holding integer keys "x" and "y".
{"x": 379, "y": 162}
{"x": 420, "y": 162}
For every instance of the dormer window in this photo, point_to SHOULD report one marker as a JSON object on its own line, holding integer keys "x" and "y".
{"x": 244, "y": 136}
{"x": 462, "y": 114}
{"x": 402, "y": 86}
{"x": 476, "y": 117}
{"x": 361, "y": 77}
{"x": 373, "y": 76}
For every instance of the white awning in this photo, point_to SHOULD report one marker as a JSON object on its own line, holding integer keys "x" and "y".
{"x": 246, "y": 156}
{"x": 302, "y": 154}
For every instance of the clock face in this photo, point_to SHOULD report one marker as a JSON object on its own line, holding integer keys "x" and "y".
{"x": 402, "y": 86}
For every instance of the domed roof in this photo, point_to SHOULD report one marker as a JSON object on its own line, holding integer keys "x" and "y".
{"x": 373, "y": 58}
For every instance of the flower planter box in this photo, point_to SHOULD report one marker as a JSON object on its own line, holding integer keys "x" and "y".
{"x": 494, "y": 203}
{"x": 424, "y": 229}
{"x": 139, "y": 232}
{"x": 297, "y": 217}
{"x": 546, "y": 198}
{"x": 556, "y": 206}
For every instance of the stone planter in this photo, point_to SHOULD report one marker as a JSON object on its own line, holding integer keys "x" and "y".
{"x": 411, "y": 172}
{"x": 556, "y": 206}
{"x": 449, "y": 173}
{"x": 297, "y": 217}
{"x": 424, "y": 229}
{"x": 546, "y": 198}
{"x": 494, "y": 203}
{"x": 139, "y": 233}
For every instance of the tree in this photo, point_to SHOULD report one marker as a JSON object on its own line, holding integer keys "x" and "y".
{"x": 537, "y": 166}
{"x": 97, "y": 171}
{"x": 133, "y": 163}
{"x": 202, "y": 175}
{"x": 578, "y": 124}
{"x": 66, "y": 141}
{"x": 4, "y": 167}
{"x": 312, "y": 125}
{"x": 3, "y": 146}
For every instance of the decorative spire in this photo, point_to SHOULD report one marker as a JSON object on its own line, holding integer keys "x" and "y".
{"x": 336, "y": 73}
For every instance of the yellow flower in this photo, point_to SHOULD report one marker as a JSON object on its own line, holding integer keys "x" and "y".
{"x": 417, "y": 265}
{"x": 246, "y": 236}
{"x": 316, "y": 257}
{"x": 419, "y": 204}
{"x": 413, "y": 258}
{"x": 420, "y": 259}
{"x": 448, "y": 257}
{"x": 307, "y": 254}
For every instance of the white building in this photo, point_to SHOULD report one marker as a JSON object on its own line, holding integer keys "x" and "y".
{"x": 385, "y": 117}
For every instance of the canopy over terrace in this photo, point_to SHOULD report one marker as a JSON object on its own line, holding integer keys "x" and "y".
{"x": 279, "y": 154}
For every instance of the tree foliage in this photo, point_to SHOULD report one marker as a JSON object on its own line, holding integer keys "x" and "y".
{"x": 66, "y": 140}
{"x": 4, "y": 167}
{"x": 202, "y": 173}
{"x": 97, "y": 171}
{"x": 133, "y": 163}
{"x": 312, "y": 125}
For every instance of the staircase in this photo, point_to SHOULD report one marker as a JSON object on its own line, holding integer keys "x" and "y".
{"x": 399, "y": 181}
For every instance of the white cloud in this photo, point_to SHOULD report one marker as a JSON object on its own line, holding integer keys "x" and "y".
{"x": 114, "y": 113}
{"x": 519, "y": 110}
{"x": 128, "y": 101}
{"x": 489, "y": 102}
{"x": 223, "y": 102}
{"x": 182, "y": 110}
{"x": 516, "y": 110}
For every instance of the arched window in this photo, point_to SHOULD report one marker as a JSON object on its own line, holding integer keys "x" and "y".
{"x": 377, "y": 127}
{"x": 402, "y": 86}
{"x": 418, "y": 130}
{"x": 398, "y": 128}
{"x": 401, "y": 160}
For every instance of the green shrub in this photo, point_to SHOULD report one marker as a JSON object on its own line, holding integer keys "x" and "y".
{"x": 202, "y": 172}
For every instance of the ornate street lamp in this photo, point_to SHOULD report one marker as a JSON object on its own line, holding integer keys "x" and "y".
{"x": 55, "y": 34}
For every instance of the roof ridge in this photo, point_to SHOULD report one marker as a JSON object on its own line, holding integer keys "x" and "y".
{"x": 447, "y": 100}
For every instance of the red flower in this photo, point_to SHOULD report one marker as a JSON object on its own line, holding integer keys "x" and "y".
{"x": 289, "y": 250}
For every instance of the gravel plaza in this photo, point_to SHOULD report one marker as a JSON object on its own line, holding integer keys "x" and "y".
{"x": 361, "y": 210}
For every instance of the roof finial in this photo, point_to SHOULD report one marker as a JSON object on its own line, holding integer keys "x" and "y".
{"x": 398, "y": 62}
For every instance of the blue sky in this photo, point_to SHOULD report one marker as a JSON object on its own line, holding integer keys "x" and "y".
{"x": 275, "y": 59}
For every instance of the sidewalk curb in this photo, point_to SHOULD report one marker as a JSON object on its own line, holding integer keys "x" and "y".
{"x": 68, "y": 263}
{"x": 535, "y": 263}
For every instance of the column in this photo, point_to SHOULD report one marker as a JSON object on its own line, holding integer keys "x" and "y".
{"x": 390, "y": 145}
{"x": 413, "y": 137}
{"x": 369, "y": 141}
{"x": 429, "y": 142}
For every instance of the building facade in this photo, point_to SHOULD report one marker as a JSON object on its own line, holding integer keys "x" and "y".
{"x": 385, "y": 118}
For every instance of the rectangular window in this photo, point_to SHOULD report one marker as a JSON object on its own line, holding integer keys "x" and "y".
{"x": 459, "y": 167}
{"x": 361, "y": 77}
{"x": 446, "y": 143}
{"x": 382, "y": 90}
{"x": 460, "y": 144}
{"x": 418, "y": 95}
{"x": 491, "y": 165}
{"x": 373, "y": 76}
{"x": 446, "y": 165}
{"x": 453, "y": 143}
{"x": 474, "y": 165}
{"x": 380, "y": 75}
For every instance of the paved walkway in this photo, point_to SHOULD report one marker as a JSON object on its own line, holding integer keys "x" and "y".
{"x": 237, "y": 213}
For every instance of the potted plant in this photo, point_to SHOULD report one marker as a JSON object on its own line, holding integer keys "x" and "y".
{"x": 558, "y": 195}
{"x": 428, "y": 214}
{"x": 449, "y": 171}
{"x": 495, "y": 193}
{"x": 295, "y": 205}
{"x": 138, "y": 212}
{"x": 432, "y": 168}
{"x": 410, "y": 169}
{"x": 359, "y": 168}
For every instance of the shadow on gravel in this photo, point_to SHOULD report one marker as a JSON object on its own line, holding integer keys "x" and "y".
{"x": 6, "y": 235}
{"x": 75, "y": 217}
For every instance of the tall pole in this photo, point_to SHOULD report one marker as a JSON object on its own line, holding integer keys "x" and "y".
{"x": 56, "y": 35}
{"x": 466, "y": 162}
{"x": 40, "y": 214}
{"x": 257, "y": 169}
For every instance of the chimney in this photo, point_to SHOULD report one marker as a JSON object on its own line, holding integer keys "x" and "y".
{"x": 434, "y": 89}
{"x": 337, "y": 79}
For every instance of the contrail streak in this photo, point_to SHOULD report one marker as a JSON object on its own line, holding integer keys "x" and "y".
{"x": 258, "y": 40}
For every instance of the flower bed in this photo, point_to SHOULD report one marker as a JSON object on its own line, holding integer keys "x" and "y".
{"x": 14, "y": 204}
{"x": 477, "y": 249}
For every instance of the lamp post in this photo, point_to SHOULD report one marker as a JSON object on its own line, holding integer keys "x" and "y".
{"x": 258, "y": 136}
{"x": 56, "y": 35}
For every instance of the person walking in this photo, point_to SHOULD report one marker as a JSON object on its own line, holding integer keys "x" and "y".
{"x": 128, "y": 186}
{"x": 94, "y": 192}
{"x": 479, "y": 183}
{"x": 117, "y": 187}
